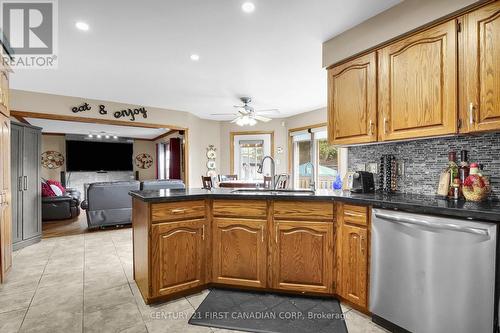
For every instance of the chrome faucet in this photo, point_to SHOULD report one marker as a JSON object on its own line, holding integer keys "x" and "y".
{"x": 273, "y": 170}
{"x": 312, "y": 183}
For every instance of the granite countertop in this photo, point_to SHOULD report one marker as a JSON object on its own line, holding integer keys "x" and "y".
{"x": 423, "y": 204}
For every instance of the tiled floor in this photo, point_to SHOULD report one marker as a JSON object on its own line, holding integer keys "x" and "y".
{"x": 84, "y": 283}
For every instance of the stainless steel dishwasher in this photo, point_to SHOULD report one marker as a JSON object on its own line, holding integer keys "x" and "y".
{"x": 432, "y": 274}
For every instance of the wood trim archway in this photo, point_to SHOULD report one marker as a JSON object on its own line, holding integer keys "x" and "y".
{"x": 51, "y": 116}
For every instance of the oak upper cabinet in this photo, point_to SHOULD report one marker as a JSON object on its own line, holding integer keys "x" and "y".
{"x": 417, "y": 90}
{"x": 304, "y": 256}
{"x": 352, "y": 101}
{"x": 178, "y": 256}
{"x": 480, "y": 108}
{"x": 239, "y": 252}
{"x": 354, "y": 264}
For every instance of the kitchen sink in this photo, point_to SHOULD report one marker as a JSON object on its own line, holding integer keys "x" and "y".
{"x": 273, "y": 192}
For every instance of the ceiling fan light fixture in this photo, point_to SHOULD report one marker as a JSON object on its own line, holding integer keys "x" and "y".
{"x": 252, "y": 121}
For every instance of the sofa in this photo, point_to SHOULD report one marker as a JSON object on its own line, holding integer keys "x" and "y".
{"x": 66, "y": 206}
{"x": 159, "y": 184}
{"x": 109, "y": 203}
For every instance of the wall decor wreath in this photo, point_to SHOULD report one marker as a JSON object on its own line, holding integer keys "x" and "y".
{"x": 52, "y": 159}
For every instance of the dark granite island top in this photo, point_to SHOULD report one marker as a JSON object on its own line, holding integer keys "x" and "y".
{"x": 423, "y": 204}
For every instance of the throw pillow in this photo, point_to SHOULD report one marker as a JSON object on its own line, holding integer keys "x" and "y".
{"x": 51, "y": 182}
{"x": 47, "y": 191}
{"x": 56, "y": 190}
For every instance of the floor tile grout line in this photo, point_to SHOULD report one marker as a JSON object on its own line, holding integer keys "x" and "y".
{"x": 37, "y": 285}
{"x": 128, "y": 283}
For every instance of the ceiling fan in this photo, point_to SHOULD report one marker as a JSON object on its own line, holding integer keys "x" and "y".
{"x": 246, "y": 114}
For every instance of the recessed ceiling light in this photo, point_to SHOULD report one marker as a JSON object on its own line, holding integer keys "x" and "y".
{"x": 82, "y": 26}
{"x": 248, "y": 7}
{"x": 91, "y": 136}
{"x": 99, "y": 136}
{"x": 194, "y": 57}
{"x": 107, "y": 136}
{"x": 115, "y": 137}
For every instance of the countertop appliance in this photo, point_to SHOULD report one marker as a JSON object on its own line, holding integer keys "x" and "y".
{"x": 432, "y": 274}
{"x": 363, "y": 182}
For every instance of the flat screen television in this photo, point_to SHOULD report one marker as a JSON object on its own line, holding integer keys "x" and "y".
{"x": 98, "y": 156}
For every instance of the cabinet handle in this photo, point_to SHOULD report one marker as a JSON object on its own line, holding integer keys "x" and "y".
{"x": 362, "y": 245}
{"x": 353, "y": 214}
{"x": 385, "y": 125}
{"x": 276, "y": 234}
{"x": 262, "y": 233}
{"x": 471, "y": 113}
{"x": 25, "y": 183}
{"x": 178, "y": 211}
{"x": 20, "y": 184}
{"x": 372, "y": 124}
{"x": 203, "y": 232}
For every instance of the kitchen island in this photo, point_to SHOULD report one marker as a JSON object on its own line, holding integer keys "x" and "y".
{"x": 299, "y": 242}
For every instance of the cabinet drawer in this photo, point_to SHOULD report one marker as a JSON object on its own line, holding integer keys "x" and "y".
{"x": 240, "y": 208}
{"x": 355, "y": 214}
{"x": 169, "y": 211}
{"x": 310, "y": 210}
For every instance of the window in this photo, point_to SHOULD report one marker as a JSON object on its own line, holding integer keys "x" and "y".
{"x": 311, "y": 149}
{"x": 247, "y": 153}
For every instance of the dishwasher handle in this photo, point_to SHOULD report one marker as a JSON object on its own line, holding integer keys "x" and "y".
{"x": 428, "y": 224}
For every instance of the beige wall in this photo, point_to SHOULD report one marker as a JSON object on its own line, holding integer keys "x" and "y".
{"x": 397, "y": 20}
{"x": 55, "y": 143}
{"x": 148, "y": 147}
{"x": 280, "y": 128}
{"x": 201, "y": 132}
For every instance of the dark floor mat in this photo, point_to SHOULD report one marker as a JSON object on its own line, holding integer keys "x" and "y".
{"x": 269, "y": 313}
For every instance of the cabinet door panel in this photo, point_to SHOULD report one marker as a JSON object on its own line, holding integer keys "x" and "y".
{"x": 31, "y": 183}
{"x": 417, "y": 85}
{"x": 240, "y": 252}
{"x": 354, "y": 264}
{"x": 177, "y": 256}
{"x": 352, "y": 106}
{"x": 5, "y": 209}
{"x": 482, "y": 68}
{"x": 304, "y": 256}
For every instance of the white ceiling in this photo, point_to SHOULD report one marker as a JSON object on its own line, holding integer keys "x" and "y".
{"x": 138, "y": 52}
{"x": 73, "y": 127}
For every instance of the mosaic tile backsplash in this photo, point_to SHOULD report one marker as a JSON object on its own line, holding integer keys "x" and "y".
{"x": 425, "y": 159}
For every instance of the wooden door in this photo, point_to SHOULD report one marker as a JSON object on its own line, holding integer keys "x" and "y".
{"x": 354, "y": 264}
{"x": 352, "y": 101}
{"x": 177, "y": 256}
{"x": 480, "y": 102}
{"x": 5, "y": 208}
{"x": 417, "y": 90}
{"x": 4, "y": 93}
{"x": 31, "y": 205}
{"x": 303, "y": 256}
{"x": 239, "y": 252}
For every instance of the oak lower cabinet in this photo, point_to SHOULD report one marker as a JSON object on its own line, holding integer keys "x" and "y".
{"x": 5, "y": 199}
{"x": 480, "y": 109}
{"x": 352, "y": 101}
{"x": 178, "y": 256}
{"x": 353, "y": 253}
{"x": 304, "y": 256}
{"x": 354, "y": 264}
{"x": 239, "y": 251}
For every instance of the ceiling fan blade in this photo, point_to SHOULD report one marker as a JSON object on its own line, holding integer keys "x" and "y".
{"x": 268, "y": 111}
{"x": 234, "y": 120}
{"x": 238, "y": 106}
{"x": 223, "y": 114}
{"x": 264, "y": 119}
